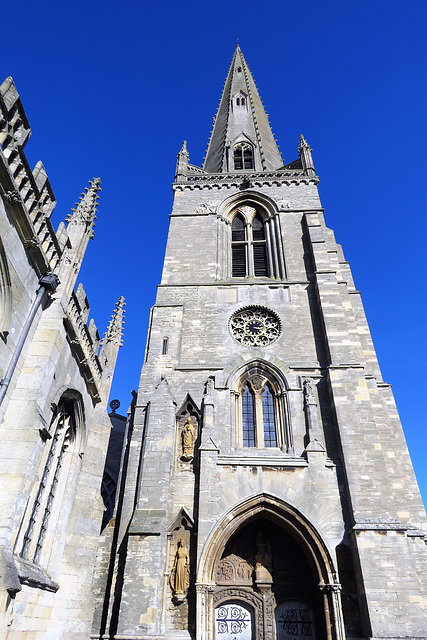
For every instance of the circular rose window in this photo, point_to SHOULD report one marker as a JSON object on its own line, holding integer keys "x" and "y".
{"x": 255, "y": 326}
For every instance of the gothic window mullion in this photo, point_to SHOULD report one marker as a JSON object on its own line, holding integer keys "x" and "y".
{"x": 250, "y": 261}
{"x": 239, "y": 240}
{"x": 248, "y": 417}
{"x": 272, "y": 263}
{"x": 41, "y": 490}
{"x": 269, "y": 416}
{"x": 259, "y": 419}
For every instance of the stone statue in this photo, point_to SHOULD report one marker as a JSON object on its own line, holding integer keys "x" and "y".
{"x": 309, "y": 391}
{"x": 187, "y": 435}
{"x": 263, "y": 559}
{"x": 180, "y": 576}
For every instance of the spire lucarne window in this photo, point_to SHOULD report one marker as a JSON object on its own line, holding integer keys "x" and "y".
{"x": 243, "y": 153}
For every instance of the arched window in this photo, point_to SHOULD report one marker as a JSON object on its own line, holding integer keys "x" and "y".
{"x": 262, "y": 419}
{"x": 249, "y": 246}
{"x": 239, "y": 246}
{"x": 259, "y": 247}
{"x": 62, "y": 435}
{"x": 243, "y": 156}
{"x": 269, "y": 417}
{"x": 248, "y": 417}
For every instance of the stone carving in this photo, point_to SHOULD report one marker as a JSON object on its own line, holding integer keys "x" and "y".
{"x": 309, "y": 391}
{"x": 283, "y": 204}
{"x": 114, "y": 331}
{"x": 180, "y": 575}
{"x": 209, "y": 386}
{"x": 263, "y": 560}
{"x": 187, "y": 437}
{"x": 257, "y": 382}
{"x": 13, "y": 197}
{"x": 249, "y": 212}
{"x": 206, "y": 207}
{"x": 234, "y": 570}
{"x": 255, "y": 326}
{"x": 32, "y": 245}
{"x": 85, "y": 210}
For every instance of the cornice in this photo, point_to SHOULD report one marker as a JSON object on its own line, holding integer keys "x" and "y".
{"x": 248, "y": 180}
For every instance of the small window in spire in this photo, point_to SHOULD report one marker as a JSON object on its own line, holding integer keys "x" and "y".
{"x": 239, "y": 70}
{"x": 243, "y": 155}
{"x": 238, "y": 101}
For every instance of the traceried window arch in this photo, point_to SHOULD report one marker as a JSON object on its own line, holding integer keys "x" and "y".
{"x": 53, "y": 485}
{"x": 243, "y": 155}
{"x": 249, "y": 245}
{"x": 261, "y": 411}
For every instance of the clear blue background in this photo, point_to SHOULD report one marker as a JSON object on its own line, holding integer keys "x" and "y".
{"x": 112, "y": 89}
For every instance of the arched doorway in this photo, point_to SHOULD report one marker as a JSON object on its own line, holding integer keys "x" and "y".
{"x": 263, "y": 559}
{"x": 267, "y": 576}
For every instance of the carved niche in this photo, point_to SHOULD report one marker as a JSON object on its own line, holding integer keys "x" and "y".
{"x": 234, "y": 570}
{"x": 188, "y": 420}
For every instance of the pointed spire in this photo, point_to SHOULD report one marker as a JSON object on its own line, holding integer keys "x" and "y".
{"x": 241, "y": 118}
{"x": 304, "y": 151}
{"x": 114, "y": 331}
{"x": 84, "y": 213}
{"x": 182, "y": 164}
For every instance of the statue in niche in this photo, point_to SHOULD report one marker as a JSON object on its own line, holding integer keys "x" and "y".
{"x": 263, "y": 559}
{"x": 309, "y": 391}
{"x": 180, "y": 575}
{"x": 209, "y": 387}
{"x": 187, "y": 437}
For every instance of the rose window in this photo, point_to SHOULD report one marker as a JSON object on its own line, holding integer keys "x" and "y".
{"x": 255, "y": 326}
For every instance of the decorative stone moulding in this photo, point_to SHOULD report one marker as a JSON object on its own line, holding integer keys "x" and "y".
{"x": 255, "y": 326}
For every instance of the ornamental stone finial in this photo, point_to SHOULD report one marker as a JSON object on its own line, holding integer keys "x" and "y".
{"x": 304, "y": 151}
{"x": 114, "y": 331}
{"x": 84, "y": 213}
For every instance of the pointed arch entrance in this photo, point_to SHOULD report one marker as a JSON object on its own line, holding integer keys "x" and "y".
{"x": 266, "y": 566}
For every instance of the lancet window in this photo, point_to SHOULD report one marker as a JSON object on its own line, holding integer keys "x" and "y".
{"x": 249, "y": 246}
{"x": 53, "y": 483}
{"x": 243, "y": 154}
{"x": 261, "y": 413}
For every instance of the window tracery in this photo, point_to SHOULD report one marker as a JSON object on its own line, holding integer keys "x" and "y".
{"x": 52, "y": 484}
{"x": 261, "y": 412}
{"x": 249, "y": 241}
{"x": 249, "y": 245}
{"x": 243, "y": 153}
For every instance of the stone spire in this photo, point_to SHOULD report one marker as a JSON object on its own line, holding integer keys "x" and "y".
{"x": 241, "y": 117}
{"x": 84, "y": 213}
{"x": 304, "y": 151}
{"x": 114, "y": 331}
{"x": 111, "y": 343}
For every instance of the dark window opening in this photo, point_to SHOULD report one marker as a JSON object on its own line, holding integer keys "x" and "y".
{"x": 270, "y": 439}
{"x": 238, "y": 237}
{"x": 248, "y": 417}
{"x": 164, "y": 346}
{"x": 243, "y": 155}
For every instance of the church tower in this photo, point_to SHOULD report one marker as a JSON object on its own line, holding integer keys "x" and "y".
{"x": 266, "y": 491}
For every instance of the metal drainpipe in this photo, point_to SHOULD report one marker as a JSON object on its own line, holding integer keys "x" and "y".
{"x": 48, "y": 282}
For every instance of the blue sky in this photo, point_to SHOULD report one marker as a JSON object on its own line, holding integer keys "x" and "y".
{"x": 112, "y": 89}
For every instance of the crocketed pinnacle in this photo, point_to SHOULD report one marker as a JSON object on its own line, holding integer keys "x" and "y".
{"x": 114, "y": 331}
{"x": 241, "y": 118}
{"x": 85, "y": 210}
